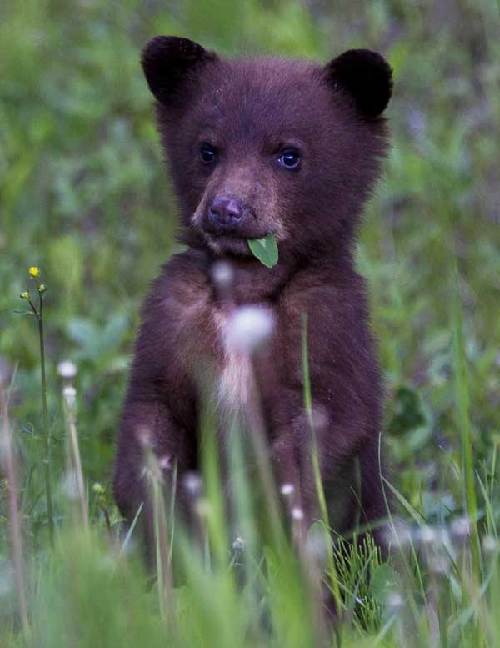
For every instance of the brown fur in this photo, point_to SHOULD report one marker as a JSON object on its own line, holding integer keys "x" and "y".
{"x": 249, "y": 109}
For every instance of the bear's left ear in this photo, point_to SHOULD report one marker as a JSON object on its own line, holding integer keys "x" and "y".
{"x": 365, "y": 76}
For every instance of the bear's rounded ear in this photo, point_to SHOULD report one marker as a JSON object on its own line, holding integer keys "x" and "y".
{"x": 168, "y": 61}
{"x": 365, "y": 76}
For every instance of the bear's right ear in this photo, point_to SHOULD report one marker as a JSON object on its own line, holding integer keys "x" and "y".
{"x": 168, "y": 61}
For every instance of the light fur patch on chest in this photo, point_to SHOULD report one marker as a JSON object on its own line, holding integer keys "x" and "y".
{"x": 234, "y": 381}
{"x": 235, "y": 371}
{"x": 241, "y": 331}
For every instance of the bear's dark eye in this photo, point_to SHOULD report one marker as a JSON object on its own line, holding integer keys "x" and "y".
{"x": 208, "y": 153}
{"x": 289, "y": 158}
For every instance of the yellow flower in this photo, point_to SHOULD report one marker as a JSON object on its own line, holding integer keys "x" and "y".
{"x": 34, "y": 271}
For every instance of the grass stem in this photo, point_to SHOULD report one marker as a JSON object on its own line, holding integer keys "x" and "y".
{"x": 14, "y": 518}
{"x": 45, "y": 423}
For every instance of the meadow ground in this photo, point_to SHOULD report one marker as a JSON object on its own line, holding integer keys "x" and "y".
{"x": 84, "y": 196}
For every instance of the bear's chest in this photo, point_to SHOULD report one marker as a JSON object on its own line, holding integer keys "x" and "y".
{"x": 245, "y": 340}
{"x": 230, "y": 355}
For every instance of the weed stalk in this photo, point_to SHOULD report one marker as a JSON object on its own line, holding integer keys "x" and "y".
{"x": 34, "y": 273}
{"x": 15, "y": 531}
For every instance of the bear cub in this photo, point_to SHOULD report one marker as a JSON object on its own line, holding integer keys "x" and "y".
{"x": 259, "y": 147}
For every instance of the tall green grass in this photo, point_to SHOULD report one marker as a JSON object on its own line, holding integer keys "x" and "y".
{"x": 242, "y": 579}
{"x": 83, "y": 194}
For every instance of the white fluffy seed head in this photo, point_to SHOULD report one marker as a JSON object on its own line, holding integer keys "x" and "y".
{"x": 287, "y": 489}
{"x": 460, "y": 528}
{"x": 248, "y": 328}
{"x": 439, "y": 563}
{"x": 490, "y": 544}
{"x": 165, "y": 462}
{"x": 399, "y": 534}
{"x": 297, "y": 514}
{"x": 427, "y": 535}
{"x": 238, "y": 544}
{"x": 394, "y": 602}
{"x": 144, "y": 436}
{"x": 192, "y": 483}
{"x": 67, "y": 369}
{"x": 222, "y": 275}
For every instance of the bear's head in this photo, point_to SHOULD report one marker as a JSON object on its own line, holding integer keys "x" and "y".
{"x": 269, "y": 146}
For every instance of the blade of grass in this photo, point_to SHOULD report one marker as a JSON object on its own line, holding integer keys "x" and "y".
{"x": 45, "y": 422}
{"x": 14, "y": 518}
{"x": 463, "y": 421}
{"x": 307, "y": 395}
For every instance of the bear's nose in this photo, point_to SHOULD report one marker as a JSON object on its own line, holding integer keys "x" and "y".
{"x": 225, "y": 213}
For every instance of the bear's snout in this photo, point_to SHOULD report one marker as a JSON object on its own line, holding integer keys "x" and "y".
{"x": 226, "y": 214}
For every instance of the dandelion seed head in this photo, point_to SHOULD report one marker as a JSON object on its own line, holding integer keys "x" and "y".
{"x": 394, "y": 602}
{"x": 297, "y": 513}
{"x": 144, "y": 436}
{"x": 399, "y": 534}
{"x": 439, "y": 563}
{"x": 460, "y": 528}
{"x": 248, "y": 328}
{"x": 192, "y": 483}
{"x": 222, "y": 275}
{"x": 287, "y": 489}
{"x": 165, "y": 462}
{"x": 490, "y": 544}
{"x": 427, "y": 535}
{"x": 238, "y": 545}
{"x": 66, "y": 369}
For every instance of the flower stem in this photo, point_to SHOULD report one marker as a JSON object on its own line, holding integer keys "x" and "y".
{"x": 45, "y": 423}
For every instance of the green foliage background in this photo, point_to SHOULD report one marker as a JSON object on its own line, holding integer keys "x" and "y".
{"x": 84, "y": 195}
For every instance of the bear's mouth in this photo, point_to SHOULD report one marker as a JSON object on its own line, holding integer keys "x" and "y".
{"x": 231, "y": 240}
{"x": 225, "y": 244}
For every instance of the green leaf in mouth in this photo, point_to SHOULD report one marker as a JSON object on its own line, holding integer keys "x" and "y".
{"x": 265, "y": 250}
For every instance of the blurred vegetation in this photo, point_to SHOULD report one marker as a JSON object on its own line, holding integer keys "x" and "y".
{"x": 84, "y": 195}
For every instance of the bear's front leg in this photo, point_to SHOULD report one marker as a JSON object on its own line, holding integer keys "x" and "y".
{"x": 343, "y": 453}
{"x": 286, "y": 463}
{"x": 147, "y": 425}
